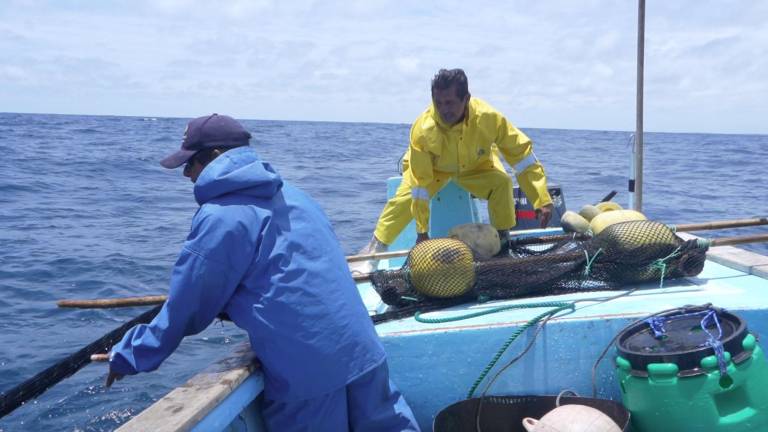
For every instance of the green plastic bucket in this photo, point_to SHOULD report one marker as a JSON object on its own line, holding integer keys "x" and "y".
{"x": 672, "y": 380}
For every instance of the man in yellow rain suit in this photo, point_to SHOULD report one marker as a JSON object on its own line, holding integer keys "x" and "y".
{"x": 458, "y": 138}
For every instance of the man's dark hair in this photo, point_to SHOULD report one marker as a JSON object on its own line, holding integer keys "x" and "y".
{"x": 205, "y": 156}
{"x": 446, "y": 78}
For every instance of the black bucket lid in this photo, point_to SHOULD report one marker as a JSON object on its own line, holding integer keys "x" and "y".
{"x": 684, "y": 343}
{"x": 506, "y": 413}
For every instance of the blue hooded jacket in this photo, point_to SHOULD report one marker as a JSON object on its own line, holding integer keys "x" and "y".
{"x": 263, "y": 252}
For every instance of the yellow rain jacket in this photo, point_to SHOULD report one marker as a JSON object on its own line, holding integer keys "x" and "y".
{"x": 466, "y": 152}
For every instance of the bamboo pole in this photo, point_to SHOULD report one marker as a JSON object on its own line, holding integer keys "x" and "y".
{"x": 110, "y": 303}
{"x": 378, "y": 256}
{"x": 364, "y": 277}
{"x": 726, "y": 241}
{"x": 704, "y": 226}
{"x": 736, "y": 223}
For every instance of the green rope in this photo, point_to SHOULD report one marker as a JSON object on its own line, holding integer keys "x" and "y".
{"x": 590, "y": 261}
{"x": 556, "y": 307}
{"x": 418, "y": 316}
{"x": 661, "y": 264}
{"x": 561, "y": 306}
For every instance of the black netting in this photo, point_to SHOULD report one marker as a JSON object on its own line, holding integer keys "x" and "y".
{"x": 35, "y": 386}
{"x": 624, "y": 253}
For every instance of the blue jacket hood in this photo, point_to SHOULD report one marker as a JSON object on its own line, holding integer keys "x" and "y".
{"x": 238, "y": 171}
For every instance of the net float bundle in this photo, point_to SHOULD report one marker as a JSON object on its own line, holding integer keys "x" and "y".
{"x": 621, "y": 254}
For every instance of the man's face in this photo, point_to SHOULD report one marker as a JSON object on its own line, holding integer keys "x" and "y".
{"x": 193, "y": 168}
{"x": 450, "y": 107}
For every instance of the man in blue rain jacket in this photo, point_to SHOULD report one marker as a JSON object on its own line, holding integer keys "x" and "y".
{"x": 264, "y": 253}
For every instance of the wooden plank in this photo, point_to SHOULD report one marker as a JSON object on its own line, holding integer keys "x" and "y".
{"x": 184, "y": 407}
{"x": 739, "y": 259}
{"x": 736, "y": 258}
{"x": 761, "y": 271}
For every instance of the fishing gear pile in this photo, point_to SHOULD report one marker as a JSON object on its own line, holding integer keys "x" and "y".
{"x": 621, "y": 254}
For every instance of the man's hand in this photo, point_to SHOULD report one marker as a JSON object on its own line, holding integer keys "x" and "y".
{"x": 544, "y": 214}
{"x": 112, "y": 377}
{"x": 420, "y": 237}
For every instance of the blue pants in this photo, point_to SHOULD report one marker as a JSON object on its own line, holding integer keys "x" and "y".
{"x": 370, "y": 403}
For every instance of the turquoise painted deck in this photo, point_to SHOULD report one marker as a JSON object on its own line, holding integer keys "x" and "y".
{"x": 435, "y": 365}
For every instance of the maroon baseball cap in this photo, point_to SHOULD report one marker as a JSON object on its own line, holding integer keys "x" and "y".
{"x": 211, "y": 131}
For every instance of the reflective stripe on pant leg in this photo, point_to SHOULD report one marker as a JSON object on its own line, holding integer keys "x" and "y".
{"x": 396, "y": 214}
{"x": 421, "y": 207}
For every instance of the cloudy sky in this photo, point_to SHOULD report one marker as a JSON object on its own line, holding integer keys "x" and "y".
{"x": 551, "y": 64}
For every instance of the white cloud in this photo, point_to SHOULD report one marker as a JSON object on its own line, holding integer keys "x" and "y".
{"x": 14, "y": 74}
{"x": 407, "y": 65}
{"x": 546, "y": 64}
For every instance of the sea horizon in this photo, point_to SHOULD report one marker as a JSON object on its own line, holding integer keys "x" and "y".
{"x": 522, "y": 127}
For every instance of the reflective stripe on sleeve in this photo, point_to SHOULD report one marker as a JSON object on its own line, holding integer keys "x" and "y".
{"x": 525, "y": 163}
{"x": 419, "y": 193}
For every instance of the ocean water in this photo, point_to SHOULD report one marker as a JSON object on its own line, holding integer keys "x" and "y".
{"x": 87, "y": 212}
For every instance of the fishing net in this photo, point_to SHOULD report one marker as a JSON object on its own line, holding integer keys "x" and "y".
{"x": 38, "y": 384}
{"x": 624, "y": 253}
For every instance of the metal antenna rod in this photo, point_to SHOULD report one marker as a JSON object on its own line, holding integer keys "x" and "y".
{"x": 636, "y": 186}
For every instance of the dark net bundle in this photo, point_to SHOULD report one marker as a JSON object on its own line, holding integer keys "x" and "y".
{"x": 623, "y": 253}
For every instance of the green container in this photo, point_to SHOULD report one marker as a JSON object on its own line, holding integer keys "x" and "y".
{"x": 674, "y": 383}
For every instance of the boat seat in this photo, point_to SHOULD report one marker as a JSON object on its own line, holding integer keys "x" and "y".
{"x": 450, "y": 207}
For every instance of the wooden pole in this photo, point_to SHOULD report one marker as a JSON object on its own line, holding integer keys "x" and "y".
{"x": 378, "y": 256}
{"x": 110, "y": 303}
{"x": 365, "y": 277}
{"x": 738, "y": 223}
{"x": 725, "y": 241}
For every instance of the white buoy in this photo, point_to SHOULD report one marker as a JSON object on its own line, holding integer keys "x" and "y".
{"x": 589, "y": 211}
{"x": 608, "y": 218}
{"x": 483, "y": 239}
{"x": 574, "y": 222}
{"x": 572, "y": 418}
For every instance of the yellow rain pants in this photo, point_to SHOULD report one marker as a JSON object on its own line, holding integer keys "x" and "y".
{"x": 467, "y": 153}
